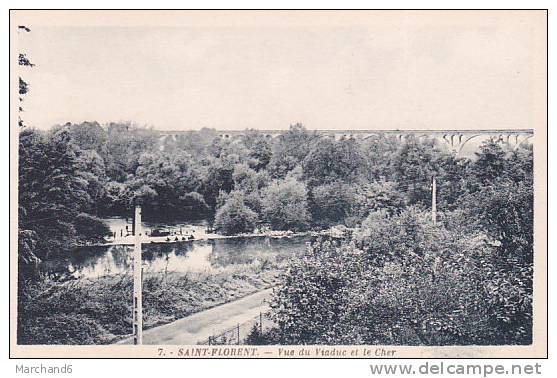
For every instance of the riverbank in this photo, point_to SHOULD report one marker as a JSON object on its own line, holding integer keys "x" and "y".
{"x": 181, "y": 238}
{"x": 98, "y": 311}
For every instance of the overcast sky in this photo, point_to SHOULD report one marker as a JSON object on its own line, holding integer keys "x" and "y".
{"x": 382, "y": 71}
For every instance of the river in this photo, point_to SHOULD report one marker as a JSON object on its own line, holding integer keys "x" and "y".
{"x": 212, "y": 256}
{"x": 120, "y": 226}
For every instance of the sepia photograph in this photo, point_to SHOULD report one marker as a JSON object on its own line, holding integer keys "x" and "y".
{"x": 278, "y": 184}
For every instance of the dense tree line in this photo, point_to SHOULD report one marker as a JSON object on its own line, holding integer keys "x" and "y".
{"x": 400, "y": 280}
{"x": 74, "y": 174}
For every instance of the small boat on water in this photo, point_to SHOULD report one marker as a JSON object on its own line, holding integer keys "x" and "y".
{"x": 161, "y": 232}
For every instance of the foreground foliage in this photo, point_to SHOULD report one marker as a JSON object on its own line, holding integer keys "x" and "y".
{"x": 99, "y": 311}
{"x": 402, "y": 280}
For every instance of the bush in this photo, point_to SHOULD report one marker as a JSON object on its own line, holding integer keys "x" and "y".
{"x": 330, "y": 203}
{"x": 90, "y": 228}
{"x": 402, "y": 281}
{"x": 234, "y": 217}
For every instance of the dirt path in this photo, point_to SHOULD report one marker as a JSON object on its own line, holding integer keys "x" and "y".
{"x": 198, "y": 327}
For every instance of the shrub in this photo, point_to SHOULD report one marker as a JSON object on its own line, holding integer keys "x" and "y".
{"x": 234, "y": 217}
{"x": 402, "y": 281}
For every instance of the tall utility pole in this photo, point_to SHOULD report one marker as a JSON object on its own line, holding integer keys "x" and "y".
{"x": 137, "y": 280}
{"x": 434, "y": 201}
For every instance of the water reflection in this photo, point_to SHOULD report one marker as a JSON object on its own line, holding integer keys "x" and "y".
{"x": 197, "y": 256}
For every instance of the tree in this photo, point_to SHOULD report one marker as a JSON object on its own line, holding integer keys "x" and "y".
{"x": 88, "y": 136}
{"x": 234, "y": 217}
{"x": 451, "y": 178}
{"x": 500, "y": 198}
{"x": 290, "y": 149}
{"x": 490, "y": 163}
{"x": 195, "y": 143}
{"x": 218, "y": 177}
{"x": 28, "y": 262}
{"x": 331, "y": 160}
{"x": 24, "y": 61}
{"x": 378, "y": 152}
{"x": 249, "y": 185}
{"x": 53, "y": 190}
{"x": 117, "y": 197}
{"x": 285, "y": 205}
{"x": 245, "y": 177}
{"x": 92, "y": 168}
{"x": 259, "y": 149}
{"x": 413, "y": 167}
{"x": 90, "y": 228}
{"x": 125, "y": 143}
{"x": 330, "y": 203}
{"x": 377, "y": 196}
{"x": 168, "y": 183}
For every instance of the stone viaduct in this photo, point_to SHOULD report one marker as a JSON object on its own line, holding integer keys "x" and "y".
{"x": 460, "y": 142}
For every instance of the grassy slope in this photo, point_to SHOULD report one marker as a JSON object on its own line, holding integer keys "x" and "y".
{"x": 99, "y": 311}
